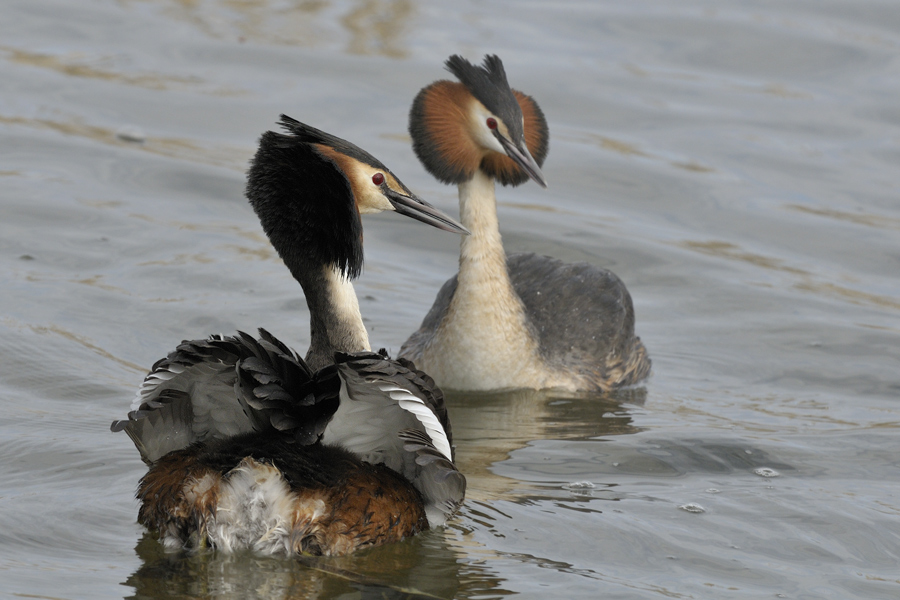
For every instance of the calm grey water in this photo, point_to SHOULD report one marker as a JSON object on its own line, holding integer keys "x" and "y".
{"x": 735, "y": 162}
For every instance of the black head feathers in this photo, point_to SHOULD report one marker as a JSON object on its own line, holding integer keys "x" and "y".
{"x": 307, "y": 134}
{"x": 304, "y": 200}
{"x": 489, "y": 86}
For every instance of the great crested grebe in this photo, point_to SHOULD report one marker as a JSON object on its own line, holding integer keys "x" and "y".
{"x": 252, "y": 447}
{"x": 523, "y": 321}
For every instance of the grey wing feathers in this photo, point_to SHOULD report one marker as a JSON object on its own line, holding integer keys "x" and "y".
{"x": 582, "y": 314}
{"x": 224, "y": 386}
{"x": 414, "y": 346}
{"x": 443, "y": 486}
{"x": 197, "y": 379}
{"x": 162, "y": 422}
{"x": 395, "y": 415}
{"x": 381, "y": 380}
{"x": 574, "y": 308}
{"x": 431, "y": 394}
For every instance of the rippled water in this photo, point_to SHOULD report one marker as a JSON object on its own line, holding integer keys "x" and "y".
{"x": 736, "y": 163}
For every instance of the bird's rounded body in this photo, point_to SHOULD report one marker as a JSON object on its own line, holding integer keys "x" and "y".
{"x": 251, "y": 447}
{"x": 575, "y": 334}
{"x": 275, "y": 497}
{"x": 525, "y": 321}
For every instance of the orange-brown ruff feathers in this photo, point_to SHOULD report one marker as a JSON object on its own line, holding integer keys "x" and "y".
{"x": 524, "y": 320}
{"x": 442, "y": 121}
{"x": 250, "y": 446}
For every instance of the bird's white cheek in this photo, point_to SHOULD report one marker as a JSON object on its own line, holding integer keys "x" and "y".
{"x": 484, "y": 137}
{"x": 373, "y": 202}
{"x": 490, "y": 142}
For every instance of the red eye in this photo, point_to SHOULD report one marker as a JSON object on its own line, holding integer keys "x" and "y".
{"x": 492, "y": 123}
{"x": 377, "y": 178}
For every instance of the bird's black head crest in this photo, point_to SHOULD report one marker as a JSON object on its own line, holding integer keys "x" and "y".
{"x": 489, "y": 86}
{"x": 304, "y": 200}
{"x": 301, "y": 132}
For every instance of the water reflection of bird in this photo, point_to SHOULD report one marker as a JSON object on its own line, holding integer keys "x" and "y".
{"x": 250, "y": 446}
{"x": 523, "y": 321}
{"x": 492, "y": 427}
{"x": 423, "y": 567}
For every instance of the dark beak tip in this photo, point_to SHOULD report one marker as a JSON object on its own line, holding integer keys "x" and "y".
{"x": 521, "y": 156}
{"x": 420, "y": 210}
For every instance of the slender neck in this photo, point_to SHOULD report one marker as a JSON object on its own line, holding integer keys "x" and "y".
{"x": 335, "y": 321}
{"x": 484, "y": 340}
{"x": 485, "y": 292}
{"x": 478, "y": 213}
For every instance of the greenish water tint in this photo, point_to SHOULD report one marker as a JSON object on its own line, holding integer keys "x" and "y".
{"x": 735, "y": 163}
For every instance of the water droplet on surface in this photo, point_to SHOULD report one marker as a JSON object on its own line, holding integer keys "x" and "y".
{"x": 579, "y": 486}
{"x": 131, "y": 133}
{"x": 766, "y": 472}
{"x": 692, "y": 507}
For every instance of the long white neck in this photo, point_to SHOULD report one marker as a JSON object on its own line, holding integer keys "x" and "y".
{"x": 485, "y": 342}
{"x": 335, "y": 321}
{"x": 481, "y": 258}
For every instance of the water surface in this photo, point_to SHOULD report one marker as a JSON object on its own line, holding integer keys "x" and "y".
{"x": 735, "y": 163}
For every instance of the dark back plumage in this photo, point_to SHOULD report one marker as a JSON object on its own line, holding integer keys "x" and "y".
{"x": 229, "y": 385}
{"x": 215, "y": 391}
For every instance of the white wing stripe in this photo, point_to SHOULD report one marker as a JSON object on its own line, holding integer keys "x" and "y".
{"x": 413, "y": 404}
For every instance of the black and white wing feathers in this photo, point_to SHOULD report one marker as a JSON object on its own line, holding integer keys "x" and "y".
{"x": 384, "y": 411}
{"x": 226, "y": 386}
{"x": 440, "y": 483}
{"x": 393, "y": 414}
